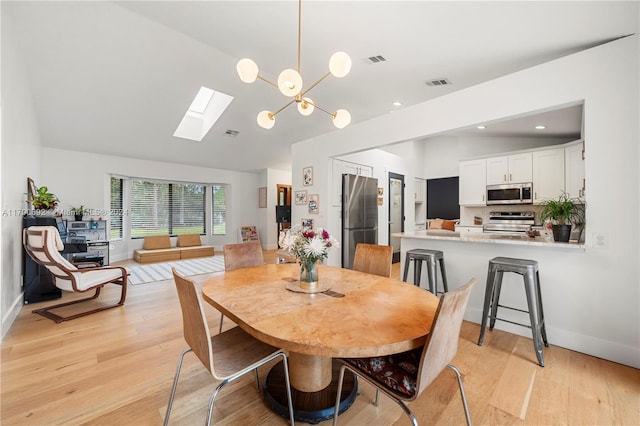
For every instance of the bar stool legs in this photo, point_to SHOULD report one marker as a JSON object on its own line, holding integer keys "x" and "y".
{"x": 431, "y": 257}
{"x": 529, "y": 271}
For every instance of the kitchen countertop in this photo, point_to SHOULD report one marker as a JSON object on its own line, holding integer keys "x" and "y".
{"x": 487, "y": 238}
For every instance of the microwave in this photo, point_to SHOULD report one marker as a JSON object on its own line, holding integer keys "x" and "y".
{"x": 513, "y": 193}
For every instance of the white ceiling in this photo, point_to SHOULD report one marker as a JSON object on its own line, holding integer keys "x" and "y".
{"x": 117, "y": 77}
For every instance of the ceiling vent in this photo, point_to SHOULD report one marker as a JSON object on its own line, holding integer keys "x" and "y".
{"x": 376, "y": 59}
{"x": 232, "y": 133}
{"x": 438, "y": 82}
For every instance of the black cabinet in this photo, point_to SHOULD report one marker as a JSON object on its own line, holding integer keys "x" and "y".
{"x": 38, "y": 283}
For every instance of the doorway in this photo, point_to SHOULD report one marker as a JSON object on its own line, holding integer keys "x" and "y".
{"x": 283, "y": 208}
{"x": 396, "y": 212}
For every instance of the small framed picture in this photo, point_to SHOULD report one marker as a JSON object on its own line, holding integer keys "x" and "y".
{"x": 307, "y": 176}
{"x": 314, "y": 203}
{"x": 301, "y": 197}
{"x": 262, "y": 197}
{"x": 307, "y": 223}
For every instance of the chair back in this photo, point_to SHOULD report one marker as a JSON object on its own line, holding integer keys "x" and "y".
{"x": 242, "y": 255}
{"x": 442, "y": 342}
{"x": 194, "y": 322}
{"x": 373, "y": 259}
{"x": 43, "y": 245}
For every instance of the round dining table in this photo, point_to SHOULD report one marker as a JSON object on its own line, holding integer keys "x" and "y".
{"x": 354, "y": 314}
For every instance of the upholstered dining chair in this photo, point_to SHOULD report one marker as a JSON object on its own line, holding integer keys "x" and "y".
{"x": 404, "y": 376}
{"x": 43, "y": 244}
{"x": 241, "y": 255}
{"x": 373, "y": 259}
{"x": 227, "y": 356}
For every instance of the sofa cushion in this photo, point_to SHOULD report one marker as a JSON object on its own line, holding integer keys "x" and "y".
{"x": 157, "y": 242}
{"x": 158, "y": 255}
{"x": 196, "y": 251}
{"x": 189, "y": 240}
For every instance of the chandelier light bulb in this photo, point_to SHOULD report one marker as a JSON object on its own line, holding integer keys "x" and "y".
{"x": 341, "y": 118}
{"x": 339, "y": 64}
{"x": 290, "y": 82}
{"x": 247, "y": 70}
{"x": 266, "y": 119}
{"x": 305, "y": 106}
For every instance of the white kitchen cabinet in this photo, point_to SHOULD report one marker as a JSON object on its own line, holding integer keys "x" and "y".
{"x": 516, "y": 168}
{"x": 473, "y": 182}
{"x": 469, "y": 229}
{"x": 548, "y": 174}
{"x": 341, "y": 167}
{"x": 574, "y": 181}
{"x": 420, "y": 189}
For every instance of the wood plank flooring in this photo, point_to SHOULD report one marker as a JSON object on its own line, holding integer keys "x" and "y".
{"x": 116, "y": 368}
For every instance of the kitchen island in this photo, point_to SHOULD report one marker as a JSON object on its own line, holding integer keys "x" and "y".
{"x": 467, "y": 256}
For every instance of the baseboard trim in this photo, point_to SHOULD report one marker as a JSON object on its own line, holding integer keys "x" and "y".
{"x": 10, "y": 317}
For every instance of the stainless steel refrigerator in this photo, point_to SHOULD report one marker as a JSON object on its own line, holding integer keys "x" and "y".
{"x": 359, "y": 214}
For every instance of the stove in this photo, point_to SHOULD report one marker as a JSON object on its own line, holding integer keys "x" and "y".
{"x": 509, "y": 222}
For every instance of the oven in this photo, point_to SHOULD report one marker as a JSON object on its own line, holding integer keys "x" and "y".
{"x": 509, "y": 223}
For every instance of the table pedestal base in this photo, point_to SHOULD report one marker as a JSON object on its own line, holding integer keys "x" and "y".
{"x": 309, "y": 407}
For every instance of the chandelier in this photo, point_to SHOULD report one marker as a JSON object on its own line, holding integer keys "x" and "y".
{"x": 290, "y": 84}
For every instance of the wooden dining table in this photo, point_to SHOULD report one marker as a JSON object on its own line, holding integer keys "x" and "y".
{"x": 359, "y": 315}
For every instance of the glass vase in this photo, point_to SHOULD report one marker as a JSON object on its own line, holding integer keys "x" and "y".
{"x": 308, "y": 275}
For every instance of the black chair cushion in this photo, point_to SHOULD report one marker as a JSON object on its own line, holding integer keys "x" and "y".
{"x": 397, "y": 372}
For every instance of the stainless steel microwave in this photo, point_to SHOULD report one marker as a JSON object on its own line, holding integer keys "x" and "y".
{"x": 512, "y": 193}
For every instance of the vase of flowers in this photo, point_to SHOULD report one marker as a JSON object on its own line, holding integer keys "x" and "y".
{"x": 308, "y": 246}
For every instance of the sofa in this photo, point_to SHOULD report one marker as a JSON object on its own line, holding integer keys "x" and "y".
{"x": 158, "y": 248}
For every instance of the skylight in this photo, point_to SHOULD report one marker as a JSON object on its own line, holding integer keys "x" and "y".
{"x": 205, "y": 110}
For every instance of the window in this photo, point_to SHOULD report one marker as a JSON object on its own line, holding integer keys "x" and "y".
{"x": 219, "y": 210}
{"x": 160, "y": 208}
{"x": 117, "y": 209}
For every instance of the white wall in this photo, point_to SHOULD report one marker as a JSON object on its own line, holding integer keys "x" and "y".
{"x": 20, "y": 159}
{"x": 599, "y": 309}
{"x": 83, "y": 178}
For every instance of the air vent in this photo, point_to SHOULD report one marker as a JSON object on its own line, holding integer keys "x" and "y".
{"x": 438, "y": 82}
{"x": 232, "y": 133}
{"x": 376, "y": 59}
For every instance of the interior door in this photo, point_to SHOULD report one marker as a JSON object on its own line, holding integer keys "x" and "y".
{"x": 396, "y": 212}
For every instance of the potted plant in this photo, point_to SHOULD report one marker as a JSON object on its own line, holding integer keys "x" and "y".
{"x": 78, "y": 213}
{"x": 562, "y": 212}
{"x": 41, "y": 198}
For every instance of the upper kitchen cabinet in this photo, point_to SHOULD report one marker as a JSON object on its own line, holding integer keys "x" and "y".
{"x": 341, "y": 167}
{"x": 420, "y": 189}
{"x": 516, "y": 168}
{"x": 548, "y": 174}
{"x": 473, "y": 182}
{"x": 574, "y": 169}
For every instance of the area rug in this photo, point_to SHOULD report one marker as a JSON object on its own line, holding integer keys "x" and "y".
{"x": 162, "y": 271}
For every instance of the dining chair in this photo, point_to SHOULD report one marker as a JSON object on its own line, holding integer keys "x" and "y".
{"x": 404, "y": 376}
{"x": 373, "y": 259}
{"x": 241, "y": 255}
{"x": 227, "y": 356}
{"x": 43, "y": 244}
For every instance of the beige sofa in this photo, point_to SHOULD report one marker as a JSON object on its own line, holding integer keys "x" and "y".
{"x": 158, "y": 248}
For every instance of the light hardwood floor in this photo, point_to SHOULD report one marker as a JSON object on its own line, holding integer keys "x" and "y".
{"x": 116, "y": 368}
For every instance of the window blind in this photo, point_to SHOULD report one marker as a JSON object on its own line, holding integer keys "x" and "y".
{"x": 115, "y": 216}
{"x": 219, "y": 210}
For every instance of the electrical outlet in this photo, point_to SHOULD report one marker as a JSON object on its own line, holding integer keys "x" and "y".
{"x": 600, "y": 240}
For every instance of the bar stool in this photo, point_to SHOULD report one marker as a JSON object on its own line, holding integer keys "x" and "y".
{"x": 529, "y": 271}
{"x": 431, "y": 257}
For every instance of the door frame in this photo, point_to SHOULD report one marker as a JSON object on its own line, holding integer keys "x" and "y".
{"x": 396, "y": 176}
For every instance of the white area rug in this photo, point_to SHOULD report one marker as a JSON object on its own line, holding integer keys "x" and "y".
{"x": 162, "y": 271}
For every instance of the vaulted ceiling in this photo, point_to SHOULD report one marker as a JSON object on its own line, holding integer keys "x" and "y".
{"x": 117, "y": 77}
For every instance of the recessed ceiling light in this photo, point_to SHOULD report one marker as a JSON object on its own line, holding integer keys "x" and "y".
{"x": 481, "y": 127}
{"x": 397, "y": 103}
{"x": 540, "y": 127}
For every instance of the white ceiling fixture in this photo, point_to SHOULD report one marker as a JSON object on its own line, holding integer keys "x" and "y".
{"x": 206, "y": 108}
{"x": 290, "y": 84}
{"x": 540, "y": 127}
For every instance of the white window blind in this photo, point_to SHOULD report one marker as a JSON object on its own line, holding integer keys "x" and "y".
{"x": 160, "y": 208}
{"x": 117, "y": 209}
{"x": 219, "y": 210}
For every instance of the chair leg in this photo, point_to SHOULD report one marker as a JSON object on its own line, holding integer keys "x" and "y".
{"x": 337, "y": 406}
{"x": 462, "y": 394}
{"x": 45, "y": 312}
{"x": 221, "y": 320}
{"x": 377, "y": 397}
{"x": 288, "y": 384}
{"x": 257, "y": 380}
{"x": 175, "y": 385}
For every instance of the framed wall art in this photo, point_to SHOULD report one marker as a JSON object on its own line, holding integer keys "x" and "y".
{"x": 314, "y": 203}
{"x": 301, "y": 197}
{"x": 307, "y": 176}
{"x": 262, "y": 197}
{"x": 307, "y": 223}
